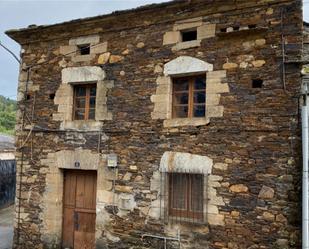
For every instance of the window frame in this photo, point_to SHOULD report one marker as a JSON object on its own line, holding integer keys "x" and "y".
{"x": 87, "y": 98}
{"x": 191, "y": 91}
{"x": 188, "y": 212}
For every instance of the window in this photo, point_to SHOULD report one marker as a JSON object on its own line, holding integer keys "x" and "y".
{"x": 84, "y": 49}
{"x": 189, "y": 97}
{"x": 186, "y": 196}
{"x": 84, "y": 102}
{"x": 189, "y": 35}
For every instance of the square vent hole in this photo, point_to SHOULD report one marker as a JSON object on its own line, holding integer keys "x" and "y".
{"x": 84, "y": 49}
{"x": 252, "y": 26}
{"x": 52, "y": 96}
{"x": 189, "y": 35}
{"x": 257, "y": 83}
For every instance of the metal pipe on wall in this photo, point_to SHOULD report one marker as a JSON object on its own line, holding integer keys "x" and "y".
{"x": 305, "y": 148}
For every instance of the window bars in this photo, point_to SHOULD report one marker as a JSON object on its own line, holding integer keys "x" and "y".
{"x": 184, "y": 198}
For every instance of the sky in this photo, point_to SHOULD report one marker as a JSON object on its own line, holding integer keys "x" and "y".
{"x": 21, "y": 13}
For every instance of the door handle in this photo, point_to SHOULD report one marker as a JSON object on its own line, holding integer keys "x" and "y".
{"x": 76, "y": 225}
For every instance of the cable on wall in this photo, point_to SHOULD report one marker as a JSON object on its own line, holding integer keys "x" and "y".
{"x": 9, "y": 51}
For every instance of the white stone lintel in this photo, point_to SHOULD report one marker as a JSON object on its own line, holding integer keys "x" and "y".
{"x": 82, "y": 74}
{"x": 186, "y": 65}
{"x": 179, "y": 162}
{"x": 82, "y": 40}
{"x": 86, "y": 159}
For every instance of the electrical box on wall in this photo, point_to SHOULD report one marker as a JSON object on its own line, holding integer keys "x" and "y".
{"x": 112, "y": 160}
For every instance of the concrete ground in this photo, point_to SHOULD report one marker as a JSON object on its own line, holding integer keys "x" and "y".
{"x": 6, "y": 227}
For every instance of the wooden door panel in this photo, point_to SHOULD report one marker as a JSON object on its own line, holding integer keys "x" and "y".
{"x": 69, "y": 190}
{"x": 86, "y": 222}
{"x": 79, "y": 212}
{"x": 90, "y": 192}
{"x": 83, "y": 240}
{"x": 68, "y": 228}
{"x": 80, "y": 191}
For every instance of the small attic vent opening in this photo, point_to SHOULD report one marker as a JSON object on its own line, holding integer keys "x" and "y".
{"x": 84, "y": 49}
{"x": 252, "y": 26}
{"x": 257, "y": 83}
{"x": 189, "y": 35}
{"x": 52, "y": 96}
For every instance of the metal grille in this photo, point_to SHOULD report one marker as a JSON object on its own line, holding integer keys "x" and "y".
{"x": 183, "y": 198}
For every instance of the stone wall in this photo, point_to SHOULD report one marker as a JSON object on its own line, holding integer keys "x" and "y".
{"x": 248, "y": 142}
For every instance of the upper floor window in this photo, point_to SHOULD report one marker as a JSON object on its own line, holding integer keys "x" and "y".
{"x": 189, "y": 97}
{"x": 84, "y": 102}
{"x": 186, "y": 198}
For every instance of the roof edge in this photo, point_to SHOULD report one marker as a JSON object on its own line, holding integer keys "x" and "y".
{"x": 34, "y": 27}
{"x": 22, "y": 36}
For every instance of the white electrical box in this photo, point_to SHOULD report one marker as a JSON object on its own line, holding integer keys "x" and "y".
{"x": 112, "y": 160}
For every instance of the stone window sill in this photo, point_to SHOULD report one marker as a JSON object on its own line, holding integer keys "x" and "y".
{"x": 177, "y": 122}
{"x": 186, "y": 45}
{"x": 81, "y": 58}
{"x": 173, "y": 219}
{"x": 82, "y": 125}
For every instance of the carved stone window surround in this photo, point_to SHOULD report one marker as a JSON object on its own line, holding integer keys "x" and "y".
{"x": 184, "y": 66}
{"x": 204, "y": 31}
{"x": 72, "y": 50}
{"x": 180, "y": 162}
{"x": 65, "y": 93}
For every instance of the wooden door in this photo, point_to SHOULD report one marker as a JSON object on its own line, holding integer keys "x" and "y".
{"x": 79, "y": 211}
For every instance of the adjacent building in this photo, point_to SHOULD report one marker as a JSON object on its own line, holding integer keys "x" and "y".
{"x": 174, "y": 125}
{"x": 7, "y": 171}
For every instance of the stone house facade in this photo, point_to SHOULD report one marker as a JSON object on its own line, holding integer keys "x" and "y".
{"x": 172, "y": 125}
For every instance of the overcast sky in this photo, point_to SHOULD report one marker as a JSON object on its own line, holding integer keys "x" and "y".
{"x": 21, "y": 13}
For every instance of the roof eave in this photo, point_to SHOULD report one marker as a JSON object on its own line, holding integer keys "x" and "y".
{"x": 18, "y": 34}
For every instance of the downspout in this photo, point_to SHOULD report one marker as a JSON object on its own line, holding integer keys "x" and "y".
{"x": 305, "y": 147}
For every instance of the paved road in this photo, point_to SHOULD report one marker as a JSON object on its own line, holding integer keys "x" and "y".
{"x": 6, "y": 227}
